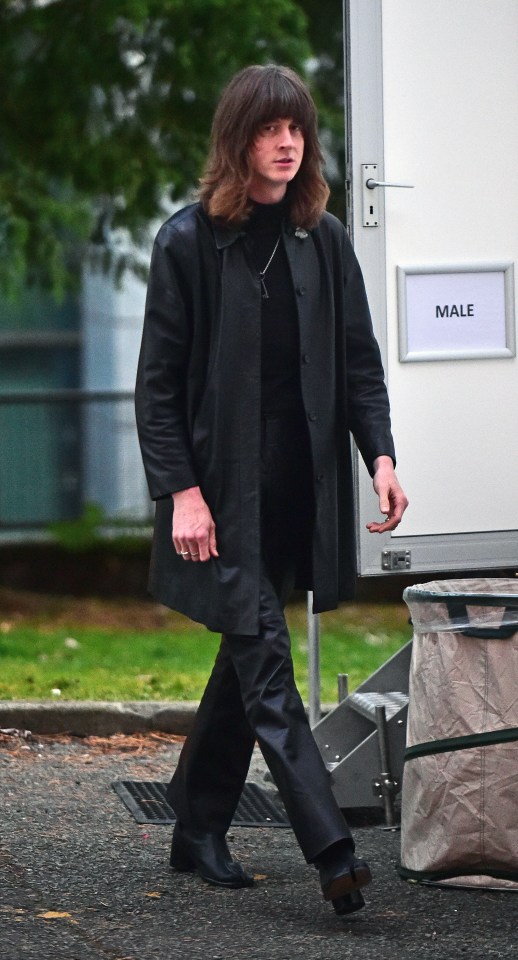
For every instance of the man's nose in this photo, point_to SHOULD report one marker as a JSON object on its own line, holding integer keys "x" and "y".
{"x": 286, "y": 138}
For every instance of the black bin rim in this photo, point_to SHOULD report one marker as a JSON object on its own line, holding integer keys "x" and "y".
{"x": 429, "y": 593}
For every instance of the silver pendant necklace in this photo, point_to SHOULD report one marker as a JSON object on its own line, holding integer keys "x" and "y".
{"x": 262, "y": 272}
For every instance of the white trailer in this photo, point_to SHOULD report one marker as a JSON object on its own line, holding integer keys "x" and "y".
{"x": 432, "y": 136}
{"x": 432, "y": 101}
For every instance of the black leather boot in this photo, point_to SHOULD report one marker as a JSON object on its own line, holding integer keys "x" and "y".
{"x": 342, "y": 881}
{"x": 341, "y": 876}
{"x": 207, "y": 855}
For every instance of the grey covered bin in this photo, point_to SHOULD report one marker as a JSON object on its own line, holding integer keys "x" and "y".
{"x": 459, "y": 817}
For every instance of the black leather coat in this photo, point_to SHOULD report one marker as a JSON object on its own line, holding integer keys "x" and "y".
{"x": 198, "y": 406}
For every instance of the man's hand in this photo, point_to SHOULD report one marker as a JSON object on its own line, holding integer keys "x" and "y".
{"x": 194, "y": 530}
{"x": 392, "y": 499}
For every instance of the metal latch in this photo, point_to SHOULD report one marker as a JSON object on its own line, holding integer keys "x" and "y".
{"x": 371, "y": 184}
{"x": 370, "y": 199}
{"x": 396, "y": 560}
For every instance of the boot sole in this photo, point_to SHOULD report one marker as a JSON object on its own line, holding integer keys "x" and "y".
{"x": 228, "y": 884}
{"x": 349, "y": 904}
{"x": 181, "y": 863}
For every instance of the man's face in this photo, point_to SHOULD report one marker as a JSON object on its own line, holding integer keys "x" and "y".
{"x": 275, "y": 157}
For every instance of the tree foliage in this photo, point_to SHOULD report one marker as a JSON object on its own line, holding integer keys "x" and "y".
{"x": 325, "y": 33}
{"x": 106, "y": 108}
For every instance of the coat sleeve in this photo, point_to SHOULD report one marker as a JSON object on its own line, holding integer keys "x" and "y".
{"x": 160, "y": 393}
{"x": 367, "y": 398}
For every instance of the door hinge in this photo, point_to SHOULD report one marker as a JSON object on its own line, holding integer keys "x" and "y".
{"x": 396, "y": 560}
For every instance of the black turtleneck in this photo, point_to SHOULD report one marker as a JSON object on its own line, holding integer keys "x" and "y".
{"x": 280, "y": 368}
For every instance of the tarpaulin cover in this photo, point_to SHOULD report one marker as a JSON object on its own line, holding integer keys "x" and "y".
{"x": 460, "y": 786}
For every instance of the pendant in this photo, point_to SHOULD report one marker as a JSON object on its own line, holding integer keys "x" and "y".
{"x": 264, "y": 295}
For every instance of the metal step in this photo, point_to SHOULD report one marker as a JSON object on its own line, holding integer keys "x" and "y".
{"x": 366, "y": 703}
{"x": 348, "y": 737}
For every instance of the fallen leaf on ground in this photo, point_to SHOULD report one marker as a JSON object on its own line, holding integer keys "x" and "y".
{"x": 53, "y": 915}
{"x": 156, "y": 895}
{"x": 260, "y": 876}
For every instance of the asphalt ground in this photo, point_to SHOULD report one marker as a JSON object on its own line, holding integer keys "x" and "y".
{"x": 81, "y": 880}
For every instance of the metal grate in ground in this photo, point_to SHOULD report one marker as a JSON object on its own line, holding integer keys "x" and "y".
{"x": 146, "y": 801}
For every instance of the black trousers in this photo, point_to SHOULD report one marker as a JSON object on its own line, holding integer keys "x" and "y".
{"x": 251, "y": 694}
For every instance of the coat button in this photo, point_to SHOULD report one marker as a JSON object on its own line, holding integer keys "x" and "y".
{"x": 320, "y": 477}
{"x": 305, "y": 358}
{"x": 301, "y": 291}
{"x": 312, "y": 416}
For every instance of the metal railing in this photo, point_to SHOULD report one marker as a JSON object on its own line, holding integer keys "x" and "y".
{"x": 63, "y": 449}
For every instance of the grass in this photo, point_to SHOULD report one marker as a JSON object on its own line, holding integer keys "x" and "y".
{"x": 127, "y": 651}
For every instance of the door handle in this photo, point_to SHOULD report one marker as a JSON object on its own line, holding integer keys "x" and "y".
{"x": 372, "y": 202}
{"x": 372, "y": 184}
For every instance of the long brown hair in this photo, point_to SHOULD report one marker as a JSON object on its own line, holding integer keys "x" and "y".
{"x": 254, "y": 96}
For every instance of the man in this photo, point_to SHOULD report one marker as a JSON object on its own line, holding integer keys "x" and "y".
{"x": 258, "y": 359}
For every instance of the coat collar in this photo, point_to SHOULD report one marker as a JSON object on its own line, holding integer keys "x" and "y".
{"x": 226, "y": 235}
